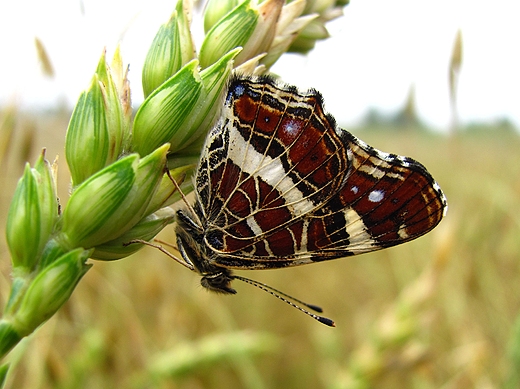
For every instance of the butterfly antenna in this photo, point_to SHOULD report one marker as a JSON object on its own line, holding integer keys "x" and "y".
{"x": 161, "y": 249}
{"x": 289, "y": 300}
{"x": 184, "y": 199}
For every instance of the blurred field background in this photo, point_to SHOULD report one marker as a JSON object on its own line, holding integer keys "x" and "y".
{"x": 439, "y": 312}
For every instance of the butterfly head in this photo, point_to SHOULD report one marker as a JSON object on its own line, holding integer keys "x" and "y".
{"x": 189, "y": 238}
{"x": 218, "y": 281}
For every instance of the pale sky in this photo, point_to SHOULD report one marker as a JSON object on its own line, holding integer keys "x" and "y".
{"x": 377, "y": 51}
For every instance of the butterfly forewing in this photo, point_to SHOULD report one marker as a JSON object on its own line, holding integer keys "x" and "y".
{"x": 280, "y": 185}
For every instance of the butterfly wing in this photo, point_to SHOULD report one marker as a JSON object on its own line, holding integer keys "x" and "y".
{"x": 279, "y": 185}
{"x": 386, "y": 200}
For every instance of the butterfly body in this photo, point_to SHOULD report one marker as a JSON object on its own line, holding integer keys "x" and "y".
{"x": 280, "y": 185}
{"x": 198, "y": 256}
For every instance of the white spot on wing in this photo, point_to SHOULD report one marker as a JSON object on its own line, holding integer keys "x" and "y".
{"x": 376, "y": 196}
{"x": 292, "y": 127}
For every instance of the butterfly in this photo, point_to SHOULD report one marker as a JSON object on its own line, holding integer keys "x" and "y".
{"x": 279, "y": 184}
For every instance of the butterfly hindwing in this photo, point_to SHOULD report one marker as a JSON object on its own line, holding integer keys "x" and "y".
{"x": 386, "y": 200}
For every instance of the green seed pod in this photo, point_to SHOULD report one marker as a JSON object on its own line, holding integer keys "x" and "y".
{"x": 32, "y": 215}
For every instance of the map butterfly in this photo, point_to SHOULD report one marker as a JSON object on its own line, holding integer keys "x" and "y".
{"x": 280, "y": 185}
